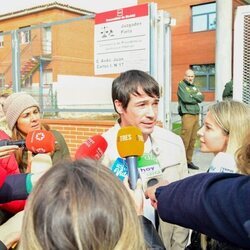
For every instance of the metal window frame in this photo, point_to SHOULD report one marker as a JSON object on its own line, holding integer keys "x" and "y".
{"x": 207, "y": 75}
{"x": 202, "y": 14}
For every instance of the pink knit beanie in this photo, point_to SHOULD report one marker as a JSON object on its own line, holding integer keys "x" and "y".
{"x": 15, "y": 104}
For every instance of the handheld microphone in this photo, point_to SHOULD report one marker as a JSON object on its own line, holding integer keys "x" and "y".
{"x": 120, "y": 168}
{"x": 149, "y": 170}
{"x": 223, "y": 162}
{"x": 130, "y": 145}
{"x": 93, "y": 148}
{"x": 6, "y": 142}
{"x": 40, "y": 163}
{"x": 40, "y": 141}
{"x": 37, "y": 141}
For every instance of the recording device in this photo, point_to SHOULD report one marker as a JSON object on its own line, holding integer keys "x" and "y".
{"x": 93, "y": 148}
{"x": 6, "y": 142}
{"x": 37, "y": 141}
{"x": 130, "y": 145}
{"x": 120, "y": 168}
{"x": 40, "y": 163}
{"x": 149, "y": 170}
{"x": 223, "y": 162}
{"x": 40, "y": 141}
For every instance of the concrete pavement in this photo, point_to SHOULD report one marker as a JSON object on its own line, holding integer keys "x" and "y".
{"x": 202, "y": 160}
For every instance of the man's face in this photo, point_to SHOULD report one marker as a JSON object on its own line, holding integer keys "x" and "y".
{"x": 141, "y": 112}
{"x": 189, "y": 76}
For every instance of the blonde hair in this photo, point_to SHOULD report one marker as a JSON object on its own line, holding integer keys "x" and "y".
{"x": 80, "y": 205}
{"x": 243, "y": 156}
{"x": 234, "y": 119}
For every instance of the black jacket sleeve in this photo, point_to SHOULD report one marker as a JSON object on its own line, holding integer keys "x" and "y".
{"x": 153, "y": 240}
{"x": 216, "y": 204}
{"x": 2, "y": 246}
{"x": 14, "y": 188}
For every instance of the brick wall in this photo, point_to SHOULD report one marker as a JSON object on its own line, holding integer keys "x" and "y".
{"x": 76, "y": 132}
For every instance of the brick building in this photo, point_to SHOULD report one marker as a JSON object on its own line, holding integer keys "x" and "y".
{"x": 67, "y": 48}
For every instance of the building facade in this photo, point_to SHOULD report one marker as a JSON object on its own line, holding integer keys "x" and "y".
{"x": 193, "y": 41}
{"x": 46, "y": 39}
{"x": 67, "y": 48}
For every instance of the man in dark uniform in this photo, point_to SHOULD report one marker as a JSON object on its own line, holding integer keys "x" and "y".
{"x": 189, "y": 97}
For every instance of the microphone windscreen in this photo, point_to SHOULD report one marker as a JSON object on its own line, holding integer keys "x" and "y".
{"x": 93, "y": 148}
{"x": 223, "y": 162}
{"x": 130, "y": 142}
{"x": 40, "y": 163}
{"x": 120, "y": 168}
{"x": 149, "y": 170}
{"x": 40, "y": 141}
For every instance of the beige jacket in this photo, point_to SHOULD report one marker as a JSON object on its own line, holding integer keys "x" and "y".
{"x": 170, "y": 152}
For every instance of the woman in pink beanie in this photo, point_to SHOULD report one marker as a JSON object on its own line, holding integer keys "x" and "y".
{"x": 23, "y": 116}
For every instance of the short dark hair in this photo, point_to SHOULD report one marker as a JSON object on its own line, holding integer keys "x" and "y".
{"x": 128, "y": 82}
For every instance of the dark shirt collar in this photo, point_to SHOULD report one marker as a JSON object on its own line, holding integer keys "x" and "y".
{"x": 188, "y": 83}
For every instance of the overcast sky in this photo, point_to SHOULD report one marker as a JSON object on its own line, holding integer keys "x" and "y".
{"x": 91, "y": 5}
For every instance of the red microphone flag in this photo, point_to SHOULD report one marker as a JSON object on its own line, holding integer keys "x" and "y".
{"x": 40, "y": 141}
{"x": 93, "y": 148}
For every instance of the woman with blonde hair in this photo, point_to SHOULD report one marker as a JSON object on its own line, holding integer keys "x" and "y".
{"x": 225, "y": 126}
{"x": 81, "y": 205}
{"x": 243, "y": 156}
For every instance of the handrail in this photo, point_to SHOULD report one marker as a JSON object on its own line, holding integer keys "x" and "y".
{"x": 21, "y": 52}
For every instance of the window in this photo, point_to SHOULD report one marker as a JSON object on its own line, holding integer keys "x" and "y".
{"x": 204, "y": 17}
{"x": 25, "y": 36}
{"x": 204, "y": 76}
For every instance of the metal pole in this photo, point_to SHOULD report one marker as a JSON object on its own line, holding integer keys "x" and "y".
{"x": 223, "y": 62}
{"x": 16, "y": 85}
{"x": 41, "y": 84}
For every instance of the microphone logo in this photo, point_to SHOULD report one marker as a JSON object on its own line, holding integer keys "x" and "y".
{"x": 40, "y": 136}
{"x": 130, "y": 145}
{"x": 40, "y": 150}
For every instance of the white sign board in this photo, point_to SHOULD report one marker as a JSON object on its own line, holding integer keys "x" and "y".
{"x": 122, "y": 40}
{"x": 85, "y": 94}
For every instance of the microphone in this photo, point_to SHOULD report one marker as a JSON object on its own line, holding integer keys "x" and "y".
{"x": 6, "y": 142}
{"x": 93, "y": 148}
{"x": 37, "y": 141}
{"x": 120, "y": 168}
{"x": 149, "y": 170}
{"x": 130, "y": 145}
{"x": 223, "y": 162}
{"x": 40, "y": 163}
{"x": 40, "y": 141}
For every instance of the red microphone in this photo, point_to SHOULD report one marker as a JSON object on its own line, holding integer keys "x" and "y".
{"x": 40, "y": 141}
{"x": 93, "y": 148}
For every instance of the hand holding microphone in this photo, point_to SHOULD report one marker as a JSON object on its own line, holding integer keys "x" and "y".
{"x": 130, "y": 145}
{"x": 40, "y": 143}
{"x": 93, "y": 148}
{"x": 5, "y": 151}
{"x": 137, "y": 195}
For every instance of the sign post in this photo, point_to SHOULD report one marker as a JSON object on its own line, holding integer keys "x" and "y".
{"x": 122, "y": 40}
